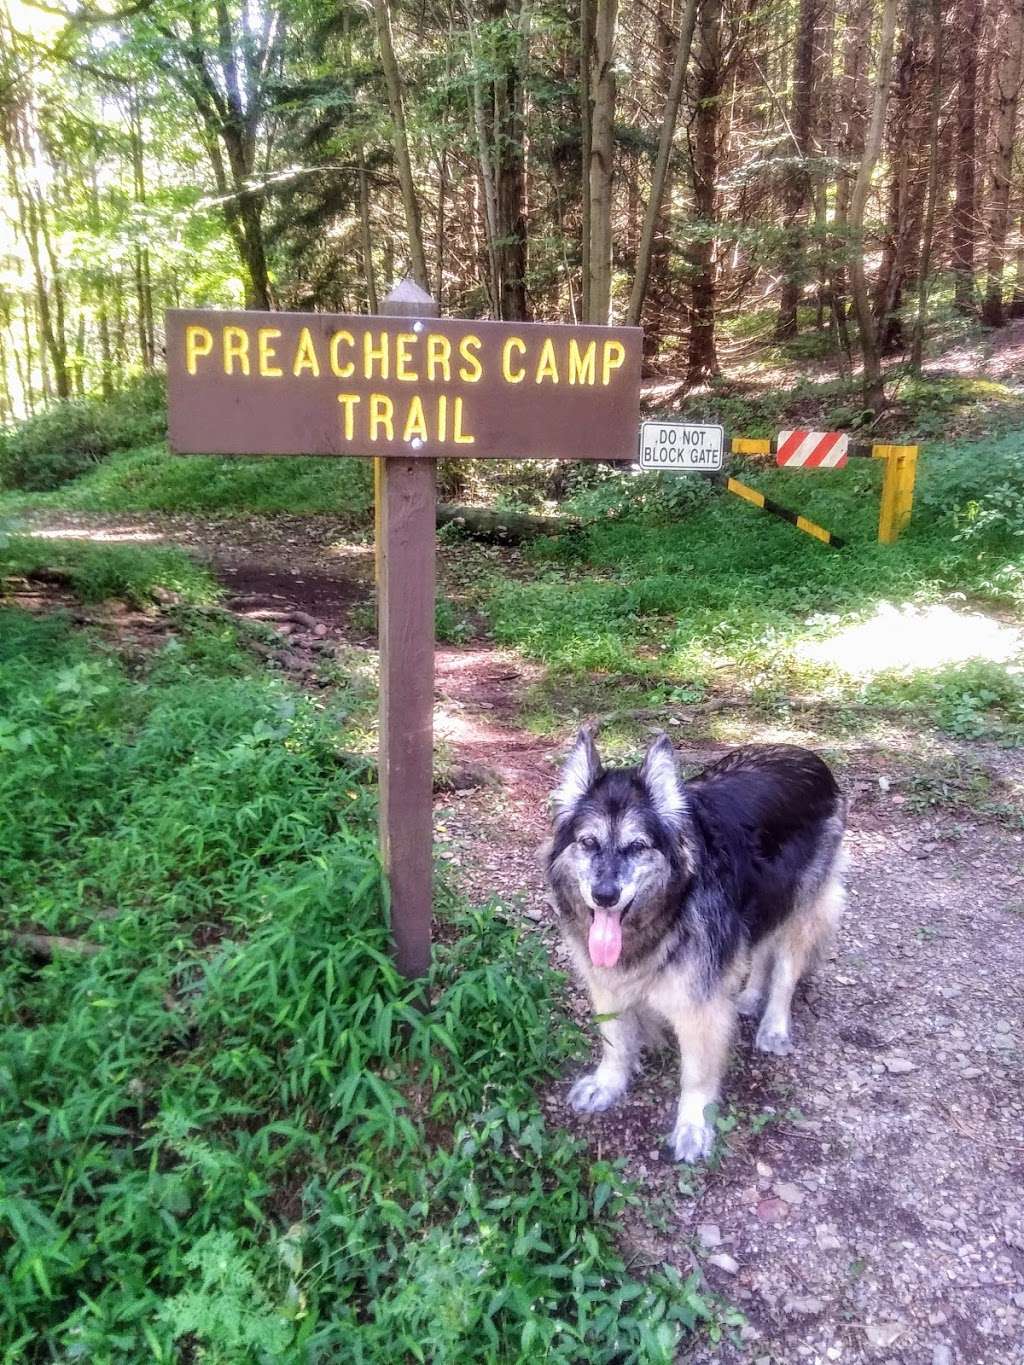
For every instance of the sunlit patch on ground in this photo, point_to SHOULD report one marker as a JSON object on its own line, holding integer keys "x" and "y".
{"x": 101, "y": 534}
{"x": 909, "y": 637}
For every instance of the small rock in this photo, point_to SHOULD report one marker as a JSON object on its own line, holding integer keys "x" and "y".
{"x": 320, "y": 629}
{"x": 942, "y": 1355}
{"x": 971, "y": 1073}
{"x": 898, "y": 1066}
{"x": 792, "y": 1194}
{"x": 709, "y": 1235}
{"x": 826, "y": 1238}
{"x": 884, "y": 1334}
{"x": 764, "y": 1170}
{"x": 804, "y": 1307}
{"x": 724, "y": 1262}
{"x": 165, "y": 596}
{"x": 773, "y": 1210}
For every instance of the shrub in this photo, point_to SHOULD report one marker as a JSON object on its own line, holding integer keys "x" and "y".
{"x": 70, "y": 437}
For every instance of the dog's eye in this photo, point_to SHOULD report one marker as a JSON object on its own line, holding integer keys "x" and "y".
{"x": 636, "y": 847}
{"x": 588, "y": 842}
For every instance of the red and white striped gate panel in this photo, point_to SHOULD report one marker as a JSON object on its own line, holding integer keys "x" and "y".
{"x": 812, "y": 449}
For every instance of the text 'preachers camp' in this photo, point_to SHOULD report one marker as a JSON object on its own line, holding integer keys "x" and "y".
{"x": 290, "y": 383}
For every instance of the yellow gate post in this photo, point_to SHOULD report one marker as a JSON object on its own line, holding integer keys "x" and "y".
{"x": 897, "y": 490}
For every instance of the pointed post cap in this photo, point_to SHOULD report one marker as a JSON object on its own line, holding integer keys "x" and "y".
{"x": 408, "y": 300}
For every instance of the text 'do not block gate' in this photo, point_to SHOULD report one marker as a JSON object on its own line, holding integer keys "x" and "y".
{"x": 682, "y": 447}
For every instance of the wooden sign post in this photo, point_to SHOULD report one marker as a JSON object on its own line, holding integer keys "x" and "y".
{"x": 405, "y": 388}
{"x": 405, "y": 511}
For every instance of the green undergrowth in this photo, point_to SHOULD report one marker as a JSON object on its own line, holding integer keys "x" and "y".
{"x": 94, "y": 572}
{"x": 228, "y": 1134}
{"x": 151, "y": 479}
{"x": 676, "y": 589}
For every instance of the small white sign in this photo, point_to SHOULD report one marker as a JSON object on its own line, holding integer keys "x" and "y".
{"x": 681, "y": 447}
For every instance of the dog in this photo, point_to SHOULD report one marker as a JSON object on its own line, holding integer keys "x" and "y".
{"x": 669, "y": 892}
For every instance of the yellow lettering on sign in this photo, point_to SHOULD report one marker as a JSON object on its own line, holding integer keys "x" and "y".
{"x": 614, "y": 355}
{"x": 402, "y": 357}
{"x": 342, "y": 371}
{"x": 378, "y": 354}
{"x": 382, "y": 414}
{"x": 439, "y": 357}
{"x": 348, "y": 401}
{"x": 236, "y": 347}
{"x": 415, "y": 421}
{"x": 198, "y": 342}
{"x": 547, "y": 366}
{"x": 472, "y": 370}
{"x": 582, "y": 364}
{"x": 305, "y": 356}
{"x": 267, "y": 353}
{"x": 460, "y": 437}
{"x": 512, "y": 376}
{"x": 442, "y": 417}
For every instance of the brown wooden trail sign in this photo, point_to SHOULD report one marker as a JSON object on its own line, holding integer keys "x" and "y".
{"x": 406, "y": 387}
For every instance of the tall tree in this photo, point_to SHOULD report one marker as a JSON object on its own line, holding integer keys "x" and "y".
{"x": 931, "y": 203}
{"x": 1007, "y": 91}
{"x": 666, "y": 137}
{"x": 702, "y": 360}
{"x": 797, "y": 181}
{"x": 964, "y": 223}
{"x": 599, "y": 63}
{"x": 400, "y": 141}
{"x": 874, "y": 389}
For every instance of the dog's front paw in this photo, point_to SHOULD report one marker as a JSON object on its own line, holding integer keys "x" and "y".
{"x": 748, "y": 1003}
{"x": 591, "y": 1094}
{"x": 773, "y": 1040}
{"x": 691, "y": 1142}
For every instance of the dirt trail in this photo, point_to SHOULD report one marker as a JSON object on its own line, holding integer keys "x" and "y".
{"x": 879, "y": 1215}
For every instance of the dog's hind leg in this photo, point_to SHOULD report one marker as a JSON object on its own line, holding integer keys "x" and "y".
{"x": 748, "y": 1002}
{"x": 621, "y": 1038}
{"x": 796, "y": 944}
{"x": 703, "y": 1029}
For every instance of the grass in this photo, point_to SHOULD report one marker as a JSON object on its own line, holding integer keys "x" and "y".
{"x": 151, "y": 479}
{"x": 668, "y": 598}
{"x": 95, "y": 572}
{"x": 229, "y": 1135}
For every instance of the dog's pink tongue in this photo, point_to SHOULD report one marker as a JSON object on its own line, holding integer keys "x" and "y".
{"x": 605, "y": 941}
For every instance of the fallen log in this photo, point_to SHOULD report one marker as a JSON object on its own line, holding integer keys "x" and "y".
{"x": 47, "y": 946}
{"x": 484, "y": 523}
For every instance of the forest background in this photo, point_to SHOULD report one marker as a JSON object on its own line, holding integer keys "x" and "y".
{"x": 831, "y": 172}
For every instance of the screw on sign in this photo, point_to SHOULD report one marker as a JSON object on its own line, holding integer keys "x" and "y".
{"x": 812, "y": 449}
{"x": 405, "y": 387}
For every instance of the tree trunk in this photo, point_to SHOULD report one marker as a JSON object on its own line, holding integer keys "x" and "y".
{"x": 602, "y": 160}
{"x": 509, "y": 160}
{"x": 874, "y": 389}
{"x": 849, "y": 147}
{"x": 797, "y": 180}
{"x": 907, "y": 138}
{"x": 366, "y": 233}
{"x": 1007, "y": 83}
{"x": 655, "y": 204}
{"x": 925, "y": 263}
{"x": 400, "y": 141}
{"x": 964, "y": 207}
{"x": 702, "y": 362}
{"x": 586, "y": 144}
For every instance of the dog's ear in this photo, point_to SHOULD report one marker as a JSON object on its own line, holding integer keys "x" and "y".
{"x": 581, "y": 771}
{"x": 660, "y": 775}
